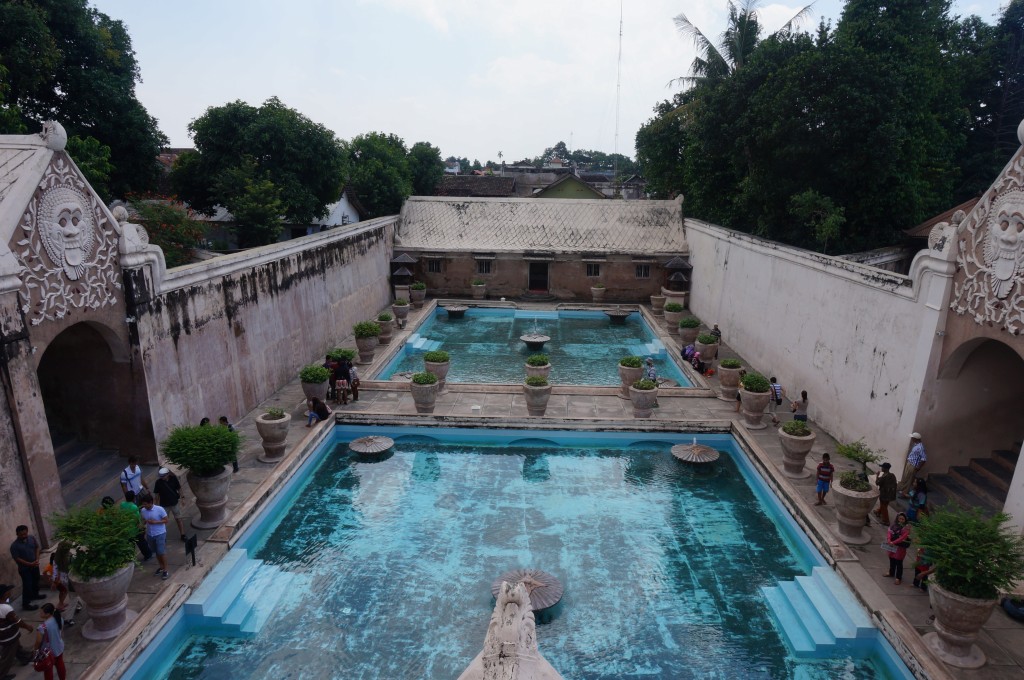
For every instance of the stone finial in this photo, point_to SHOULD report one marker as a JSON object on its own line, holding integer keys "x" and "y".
{"x": 54, "y": 135}
{"x": 1020, "y": 133}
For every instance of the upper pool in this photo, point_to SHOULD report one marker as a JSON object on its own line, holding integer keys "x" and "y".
{"x": 584, "y": 349}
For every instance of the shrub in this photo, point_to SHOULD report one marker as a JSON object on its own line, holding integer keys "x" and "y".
{"x": 203, "y": 449}
{"x": 537, "y": 360}
{"x": 537, "y": 381}
{"x": 438, "y": 356}
{"x": 366, "y": 329}
{"x": 631, "y": 362}
{"x": 418, "y": 285}
{"x": 706, "y": 339}
{"x": 645, "y": 384}
{"x": 854, "y": 481}
{"x": 755, "y": 382}
{"x": 274, "y": 413}
{"x": 975, "y": 556}
{"x": 342, "y": 353}
{"x": 424, "y": 378}
{"x": 689, "y": 321}
{"x": 730, "y": 363}
{"x": 385, "y": 316}
{"x": 400, "y": 302}
{"x": 673, "y": 307}
{"x": 101, "y": 543}
{"x": 598, "y": 285}
{"x": 171, "y": 227}
{"x": 796, "y": 428}
{"x": 859, "y": 452}
{"x": 478, "y": 282}
{"x": 314, "y": 373}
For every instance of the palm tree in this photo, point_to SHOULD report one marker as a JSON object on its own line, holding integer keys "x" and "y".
{"x": 739, "y": 40}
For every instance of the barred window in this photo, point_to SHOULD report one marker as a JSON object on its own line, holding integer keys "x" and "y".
{"x": 593, "y": 269}
{"x": 433, "y": 266}
{"x": 643, "y": 271}
{"x": 483, "y": 266}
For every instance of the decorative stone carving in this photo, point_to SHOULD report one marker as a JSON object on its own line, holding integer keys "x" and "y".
{"x": 510, "y": 647}
{"x": 54, "y": 136}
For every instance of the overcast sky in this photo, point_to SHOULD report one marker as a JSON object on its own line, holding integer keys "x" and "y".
{"x": 473, "y": 77}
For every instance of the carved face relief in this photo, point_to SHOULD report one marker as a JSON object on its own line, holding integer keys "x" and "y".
{"x": 1004, "y": 247}
{"x": 67, "y": 230}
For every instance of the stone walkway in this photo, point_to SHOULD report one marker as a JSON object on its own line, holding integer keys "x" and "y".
{"x": 862, "y": 566}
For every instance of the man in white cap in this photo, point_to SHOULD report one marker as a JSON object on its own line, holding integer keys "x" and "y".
{"x": 916, "y": 459}
{"x": 168, "y": 493}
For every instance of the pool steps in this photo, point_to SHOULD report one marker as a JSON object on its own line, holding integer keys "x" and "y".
{"x": 818, "y": 615}
{"x": 238, "y": 595}
{"x": 655, "y": 348}
{"x": 419, "y": 343}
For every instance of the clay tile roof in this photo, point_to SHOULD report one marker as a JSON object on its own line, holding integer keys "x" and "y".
{"x": 922, "y": 230}
{"x": 568, "y": 225}
{"x": 476, "y": 186}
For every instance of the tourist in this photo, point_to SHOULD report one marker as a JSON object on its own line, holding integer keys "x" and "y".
{"x": 48, "y": 637}
{"x": 717, "y": 333}
{"x": 799, "y": 407}
{"x": 778, "y": 392}
{"x": 918, "y": 500}
{"x": 223, "y": 422}
{"x": 331, "y": 365}
{"x": 897, "y": 540}
{"x": 916, "y": 458}
{"x": 886, "y": 483}
{"x": 60, "y": 565}
{"x": 651, "y": 373}
{"x": 697, "y": 364}
{"x": 131, "y": 477}
{"x": 342, "y": 376}
{"x": 10, "y": 636}
{"x": 923, "y": 568}
{"x": 155, "y": 518}
{"x": 25, "y": 551}
{"x": 169, "y": 495}
{"x": 739, "y": 399}
{"x": 688, "y": 352}
{"x": 318, "y": 411}
{"x": 205, "y": 422}
{"x": 105, "y": 504}
{"x": 353, "y": 381}
{"x": 129, "y": 506}
{"x": 825, "y": 473}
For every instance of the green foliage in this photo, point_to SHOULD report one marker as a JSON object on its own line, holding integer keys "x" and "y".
{"x": 819, "y": 214}
{"x": 385, "y": 316}
{"x": 854, "y": 481}
{"x": 274, "y": 413}
{"x": 730, "y": 363}
{"x": 424, "y": 378}
{"x": 437, "y": 356}
{"x": 426, "y": 167}
{"x": 378, "y": 171}
{"x": 537, "y": 360}
{"x": 859, "y": 452}
{"x": 93, "y": 158}
{"x": 170, "y": 226}
{"x": 537, "y": 381}
{"x": 255, "y": 204}
{"x": 975, "y": 556}
{"x": 400, "y": 302}
{"x": 202, "y": 449}
{"x": 598, "y": 285}
{"x": 314, "y": 374}
{"x": 102, "y": 543}
{"x": 688, "y": 321}
{"x": 796, "y": 428}
{"x": 366, "y": 329}
{"x": 342, "y": 353}
{"x": 673, "y": 307}
{"x": 478, "y": 282}
{"x": 753, "y": 381}
{"x": 418, "y": 285}
{"x": 645, "y": 384}
{"x": 707, "y": 339}
{"x": 631, "y": 362}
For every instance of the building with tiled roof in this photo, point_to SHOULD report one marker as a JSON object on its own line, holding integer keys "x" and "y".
{"x": 477, "y": 186}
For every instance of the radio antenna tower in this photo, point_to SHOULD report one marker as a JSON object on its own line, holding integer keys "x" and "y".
{"x": 618, "y": 88}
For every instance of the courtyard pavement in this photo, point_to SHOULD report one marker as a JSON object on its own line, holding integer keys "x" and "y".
{"x": 862, "y": 566}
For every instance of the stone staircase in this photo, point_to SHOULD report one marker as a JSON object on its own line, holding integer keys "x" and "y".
{"x": 89, "y": 471}
{"x": 983, "y": 483}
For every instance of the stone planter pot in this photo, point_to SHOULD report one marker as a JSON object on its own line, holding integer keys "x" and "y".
{"x": 852, "y": 508}
{"x": 707, "y": 352}
{"x": 106, "y": 603}
{"x": 272, "y": 433}
{"x": 367, "y": 347}
{"x": 658, "y": 305}
{"x": 440, "y": 369}
{"x": 543, "y": 371}
{"x": 318, "y": 390}
{"x": 400, "y": 311}
{"x": 479, "y": 292}
{"x": 643, "y": 401}
{"x": 794, "y": 454}
{"x": 402, "y": 291}
{"x": 729, "y": 379}
{"x": 536, "y": 399}
{"x": 211, "y": 495}
{"x": 628, "y": 376}
{"x": 688, "y": 336}
{"x": 752, "y": 407}
{"x": 675, "y": 296}
{"x": 957, "y": 622}
{"x": 387, "y": 331}
{"x": 416, "y": 296}
{"x": 424, "y": 396}
{"x": 597, "y": 293}
{"x": 672, "y": 322}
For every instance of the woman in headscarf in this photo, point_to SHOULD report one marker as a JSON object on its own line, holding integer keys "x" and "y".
{"x": 897, "y": 541}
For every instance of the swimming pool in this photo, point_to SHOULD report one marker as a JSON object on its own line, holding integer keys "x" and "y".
{"x": 584, "y": 349}
{"x": 364, "y": 568}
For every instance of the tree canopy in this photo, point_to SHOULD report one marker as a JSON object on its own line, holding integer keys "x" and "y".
{"x": 426, "y": 167}
{"x": 378, "y": 169}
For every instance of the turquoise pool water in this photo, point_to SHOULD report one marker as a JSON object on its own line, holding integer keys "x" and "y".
{"x": 585, "y": 347}
{"x": 382, "y": 568}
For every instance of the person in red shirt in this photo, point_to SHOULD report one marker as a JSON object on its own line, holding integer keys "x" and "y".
{"x": 825, "y": 472}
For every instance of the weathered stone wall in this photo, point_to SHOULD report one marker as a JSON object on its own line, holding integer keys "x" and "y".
{"x": 223, "y": 335}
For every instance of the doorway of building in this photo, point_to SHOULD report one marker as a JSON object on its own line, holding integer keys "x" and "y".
{"x": 538, "y": 277}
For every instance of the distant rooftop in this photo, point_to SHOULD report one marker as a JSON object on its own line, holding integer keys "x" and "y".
{"x": 480, "y": 186}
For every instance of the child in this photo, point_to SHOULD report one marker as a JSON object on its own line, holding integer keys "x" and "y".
{"x": 923, "y": 568}
{"x": 825, "y": 472}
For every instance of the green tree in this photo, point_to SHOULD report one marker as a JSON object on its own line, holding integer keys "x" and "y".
{"x": 69, "y": 62}
{"x": 426, "y": 167}
{"x": 377, "y": 169}
{"x": 93, "y": 159}
{"x": 170, "y": 226}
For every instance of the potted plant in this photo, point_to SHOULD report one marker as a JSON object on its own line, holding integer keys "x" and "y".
{"x": 728, "y": 377}
{"x": 707, "y": 345}
{"x": 479, "y": 287}
{"x": 386, "y": 321}
{"x": 975, "y": 557}
{"x": 755, "y": 391}
{"x": 366, "y": 333}
{"x": 205, "y": 451}
{"x": 272, "y": 425}
{"x": 417, "y": 292}
{"x": 339, "y": 353}
{"x": 102, "y": 563}
{"x": 401, "y": 308}
{"x": 797, "y": 440}
{"x": 424, "y": 391}
{"x": 597, "y": 292}
{"x": 658, "y": 305}
{"x": 538, "y": 364}
{"x": 644, "y": 395}
{"x": 537, "y": 392}
{"x": 438, "y": 362}
{"x": 689, "y": 329}
{"x": 314, "y": 381}
{"x": 855, "y": 495}
{"x": 673, "y": 313}
{"x": 631, "y": 369}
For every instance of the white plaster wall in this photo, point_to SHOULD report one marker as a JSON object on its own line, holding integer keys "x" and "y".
{"x": 858, "y": 339}
{"x": 339, "y": 210}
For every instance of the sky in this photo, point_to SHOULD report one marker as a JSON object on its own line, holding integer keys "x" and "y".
{"x": 472, "y": 77}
